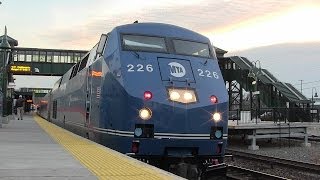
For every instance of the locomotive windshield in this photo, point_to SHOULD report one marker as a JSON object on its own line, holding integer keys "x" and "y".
{"x": 144, "y": 43}
{"x": 191, "y": 48}
{"x": 157, "y": 44}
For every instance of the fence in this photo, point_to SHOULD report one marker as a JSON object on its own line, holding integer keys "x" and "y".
{"x": 275, "y": 115}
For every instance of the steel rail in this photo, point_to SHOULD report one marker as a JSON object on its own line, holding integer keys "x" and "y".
{"x": 235, "y": 172}
{"x": 305, "y": 166}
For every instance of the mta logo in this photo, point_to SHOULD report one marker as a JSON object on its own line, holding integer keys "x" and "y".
{"x": 177, "y": 70}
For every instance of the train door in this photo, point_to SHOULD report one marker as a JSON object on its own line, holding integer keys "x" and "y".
{"x": 93, "y": 88}
{"x": 49, "y": 107}
{"x": 89, "y": 132}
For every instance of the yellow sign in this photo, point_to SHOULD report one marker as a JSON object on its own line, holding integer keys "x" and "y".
{"x": 29, "y": 101}
{"x": 19, "y": 68}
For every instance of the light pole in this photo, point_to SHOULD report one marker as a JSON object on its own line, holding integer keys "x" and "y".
{"x": 315, "y": 95}
{"x": 254, "y": 73}
{"x": 5, "y": 49}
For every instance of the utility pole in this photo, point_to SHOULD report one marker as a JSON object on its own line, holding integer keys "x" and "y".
{"x": 301, "y": 86}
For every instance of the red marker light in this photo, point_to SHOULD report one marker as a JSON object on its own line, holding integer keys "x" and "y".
{"x": 147, "y": 95}
{"x": 135, "y": 147}
{"x": 214, "y": 99}
{"x": 219, "y": 148}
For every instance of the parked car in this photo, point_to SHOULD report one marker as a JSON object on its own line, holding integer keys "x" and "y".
{"x": 266, "y": 116}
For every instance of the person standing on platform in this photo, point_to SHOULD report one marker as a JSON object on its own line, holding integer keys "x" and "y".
{"x": 20, "y": 105}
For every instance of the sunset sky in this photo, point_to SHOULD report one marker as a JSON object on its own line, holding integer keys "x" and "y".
{"x": 233, "y": 25}
{"x": 230, "y": 24}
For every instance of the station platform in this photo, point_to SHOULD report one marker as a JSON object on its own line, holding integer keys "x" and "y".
{"x": 35, "y": 149}
{"x": 267, "y": 130}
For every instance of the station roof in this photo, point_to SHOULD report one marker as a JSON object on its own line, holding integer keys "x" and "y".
{"x": 242, "y": 62}
{"x": 291, "y": 92}
{"x": 266, "y": 77}
{"x": 219, "y": 52}
{"x": 11, "y": 41}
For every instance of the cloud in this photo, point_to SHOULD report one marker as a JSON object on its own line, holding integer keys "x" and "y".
{"x": 201, "y": 16}
{"x": 295, "y": 25}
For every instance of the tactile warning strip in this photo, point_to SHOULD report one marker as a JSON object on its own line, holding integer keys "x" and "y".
{"x": 101, "y": 161}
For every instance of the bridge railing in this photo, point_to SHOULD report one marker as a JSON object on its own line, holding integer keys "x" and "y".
{"x": 275, "y": 115}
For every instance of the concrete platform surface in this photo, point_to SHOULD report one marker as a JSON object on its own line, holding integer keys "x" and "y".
{"x": 27, "y": 152}
{"x": 35, "y": 149}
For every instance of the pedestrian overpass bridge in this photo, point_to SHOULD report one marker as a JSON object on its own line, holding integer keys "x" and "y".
{"x": 45, "y": 62}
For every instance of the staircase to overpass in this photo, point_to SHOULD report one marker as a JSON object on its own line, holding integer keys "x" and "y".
{"x": 254, "y": 89}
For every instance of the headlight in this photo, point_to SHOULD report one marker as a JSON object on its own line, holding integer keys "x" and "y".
{"x": 216, "y": 117}
{"x": 182, "y": 95}
{"x": 187, "y": 96}
{"x": 145, "y": 113}
{"x": 174, "y": 95}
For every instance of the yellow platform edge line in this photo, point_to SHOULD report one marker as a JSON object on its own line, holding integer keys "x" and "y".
{"x": 104, "y": 163}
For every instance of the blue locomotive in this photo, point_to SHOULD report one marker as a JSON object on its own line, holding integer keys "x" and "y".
{"x": 152, "y": 91}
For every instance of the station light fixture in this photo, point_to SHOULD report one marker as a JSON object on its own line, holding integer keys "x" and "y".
{"x": 251, "y": 74}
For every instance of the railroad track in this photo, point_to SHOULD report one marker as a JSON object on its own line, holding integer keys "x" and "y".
{"x": 297, "y": 165}
{"x": 235, "y": 172}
